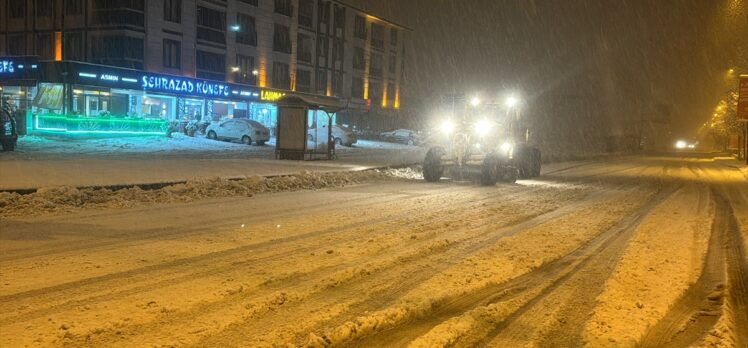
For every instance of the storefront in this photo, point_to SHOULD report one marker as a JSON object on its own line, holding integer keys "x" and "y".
{"x": 68, "y": 98}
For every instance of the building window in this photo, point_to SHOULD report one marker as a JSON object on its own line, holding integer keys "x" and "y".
{"x": 306, "y": 13}
{"x": 359, "y": 30}
{"x": 337, "y": 83}
{"x": 281, "y": 77}
{"x": 73, "y": 46}
{"x": 45, "y": 46}
{"x": 281, "y": 39}
{"x": 211, "y": 25}
{"x": 284, "y": 7}
{"x": 323, "y": 12}
{"x": 17, "y": 8}
{"x": 392, "y": 63}
{"x": 43, "y": 8}
{"x": 338, "y": 50}
{"x": 359, "y": 62}
{"x": 210, "y": 65}
{"x": 16, "y": 45}
{"x": 322, "y": 45}
{"x": 322, "y": 80}
{"x": 247, "y": 31}
{"x": 303, "y": 81}
{"x": 117, "y": 50}
{"x": 393, "y": 36}
{"x": 173, "y": 11}
{"x": 339, "y": 20}
{"x": 377, "y": 36}
{"x": 390, "y": 92}
{"x": 73, "y": 7}
{"x": 375, "y": 92}
{"x": 376, "y": 65}
{"x": 357, "y": 88}
{"x": 244, "y": 67}
{"x": 172, "y": 54}
{"x": 304, "y": 48}
{"x": 251, "y": 2}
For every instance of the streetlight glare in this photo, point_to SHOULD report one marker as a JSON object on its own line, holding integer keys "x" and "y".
{"x": 512, "y": 101}
{"x": 475, "y": 101}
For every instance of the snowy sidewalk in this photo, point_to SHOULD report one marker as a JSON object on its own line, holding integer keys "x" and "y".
{"x": 120, "y": 162}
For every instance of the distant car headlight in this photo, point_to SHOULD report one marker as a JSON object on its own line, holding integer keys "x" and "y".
{"x": 506, "y": 147}
{"x": 482, "y": 127}
{"x": 680, "y": 144}
{"x": 447, "y": 127}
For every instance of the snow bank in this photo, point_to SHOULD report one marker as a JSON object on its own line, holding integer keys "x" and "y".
{"x": 62, "y": 199}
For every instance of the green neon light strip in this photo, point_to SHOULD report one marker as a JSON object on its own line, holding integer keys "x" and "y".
{"x": 74, "y": 122}
{"x": 97, "y": 120}
{"x": 84, "y": 132}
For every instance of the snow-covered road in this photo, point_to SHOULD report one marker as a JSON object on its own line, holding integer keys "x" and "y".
{"x": 646, "y": 251}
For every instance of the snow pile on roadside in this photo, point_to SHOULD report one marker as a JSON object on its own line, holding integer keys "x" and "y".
{"x": 665, "y": 257}
{"x": 62, "y": 199}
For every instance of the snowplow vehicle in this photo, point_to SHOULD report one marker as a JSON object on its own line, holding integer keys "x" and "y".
{"x": 481, "y": 149}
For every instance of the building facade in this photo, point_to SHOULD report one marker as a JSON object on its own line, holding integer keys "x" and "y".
{"x": 321, "y": 47}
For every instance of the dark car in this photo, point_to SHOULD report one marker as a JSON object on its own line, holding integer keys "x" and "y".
{"x": 404, "y": 136}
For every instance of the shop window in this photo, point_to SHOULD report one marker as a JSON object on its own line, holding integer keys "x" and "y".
{"x": 281, "y": 77}
{"x": 211, "y": 65}
{"x": 211, "y": 25}
{"x": 173, "y": 11}
{"x": 377, "y": 36}
{"x": 357, "y": 88}
{"x": 359, "y": 29}
{"x": 376, "y": 65}
{"x": 246, "y": 65}
{"x": 281, "y": 39}
{"x": 43, "y": 8}
{"x": 304, "y": 48}
{"x": 158, "y": 107}
{"x": 247, "y": 31}
{"x": 322, "y": 81}
{"x": 16, "y": 45}
{"x": 73, "y": 7}
{"x": 172, "y": 54}
{"x": 284, "y": 7}
{"x": 44, "y": 46}
{"x": 303, "y": 81}
{"x": 306, "y": 13}
{"x": 117, "y": 50}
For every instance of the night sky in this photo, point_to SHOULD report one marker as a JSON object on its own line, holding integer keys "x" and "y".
{"x": 629, "y": 56}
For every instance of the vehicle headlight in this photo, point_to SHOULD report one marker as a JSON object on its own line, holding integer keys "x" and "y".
{"x": 482, "y": 127}
{"x": 506, "y": 147}
{"x": 680, "y": 144}
{"x": 447, "y": 127}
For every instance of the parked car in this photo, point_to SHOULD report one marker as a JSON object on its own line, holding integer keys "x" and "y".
{"x": 342, "y": 135}
{"x": 405, "y": 136}
{"x": 246, "y": 131}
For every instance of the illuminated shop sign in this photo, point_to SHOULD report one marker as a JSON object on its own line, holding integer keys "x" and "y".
{"x": 109, "y": 77}
{"x": 7, "y": 67}
{"x": 168, "y": 84}
{"x": 271, "y": 96}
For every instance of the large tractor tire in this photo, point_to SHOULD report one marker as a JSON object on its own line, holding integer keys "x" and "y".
{"x": 524, "y": 163}
{"x": 490, "y": 171}
{"x": 509, "y": 175}
{"x": 432, "y": 165}
{"x": 537, "y": 162}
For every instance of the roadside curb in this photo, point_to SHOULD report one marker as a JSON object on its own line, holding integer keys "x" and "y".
{"x": 160, "y": 185}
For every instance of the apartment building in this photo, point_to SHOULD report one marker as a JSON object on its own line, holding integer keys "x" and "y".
{"x": 273, "y": 47}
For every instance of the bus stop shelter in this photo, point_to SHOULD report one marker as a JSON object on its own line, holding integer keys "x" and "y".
{"x": 293, "y": 138}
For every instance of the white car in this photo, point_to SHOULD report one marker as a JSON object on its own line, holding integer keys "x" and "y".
{"x": 342, "y": 135}
{"x": 246, "y": 131}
